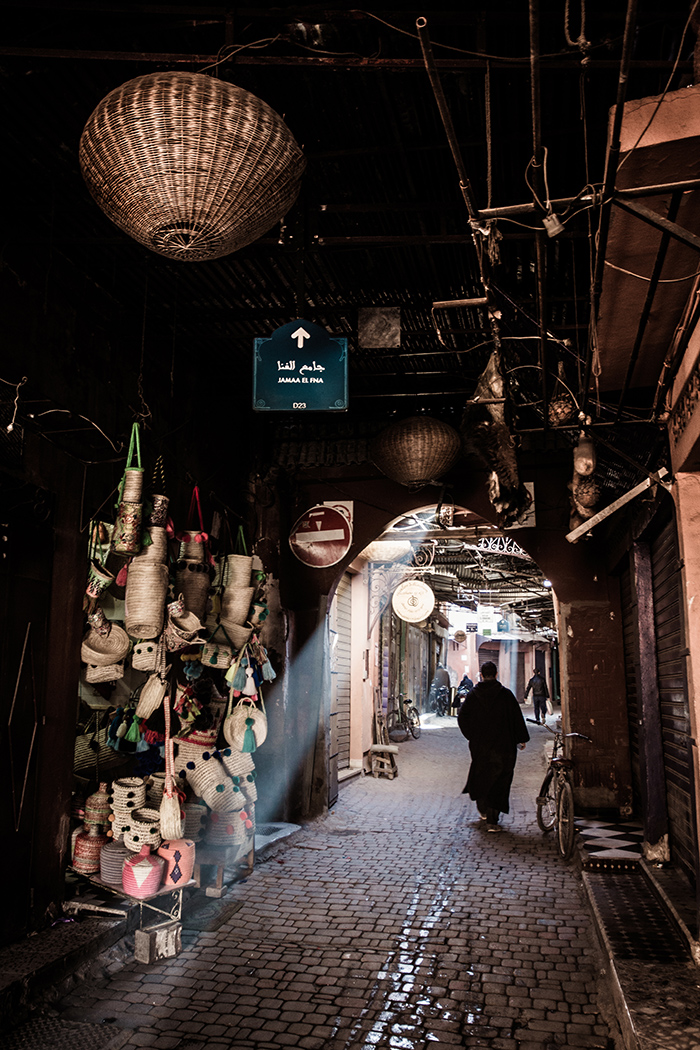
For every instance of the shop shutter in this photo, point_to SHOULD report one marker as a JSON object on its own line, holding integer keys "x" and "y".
{"x": 341, "y": 636}
{"x": 673, "y": 696}
{"x": 629, "y": 635}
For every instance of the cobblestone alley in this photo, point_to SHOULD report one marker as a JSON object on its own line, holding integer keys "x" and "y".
{"x": 398, "y": 921}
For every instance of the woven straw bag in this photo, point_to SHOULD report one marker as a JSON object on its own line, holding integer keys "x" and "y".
{"x": 196, "y": 816}
{"x": 144, "y": 601}
{"x": 126, "y": 537}
{"x": 154, "y": 790}
{"x": 192, "y": 582}
{"x": 240, "y": 636}
{"x": 98, "y": 673}
{"x": 235, "y": 603}
{"x": 238, "y": 569}
{"x": 151, "y": 696}
{"x": 207, "y": 776}
{"x": 245, "y": 728}
{"x": 156, "y": 687}
{"x": 157, "y": 549}
{"x": 189, "y": 165}
{"x": 182, "y": 627}
{"x": 231, "y": 828}
{"x": 237, "y": 763}
{"x": 144, "y": 655}
{"x": 217, "y": 654}
{"x": 102, "y": 650}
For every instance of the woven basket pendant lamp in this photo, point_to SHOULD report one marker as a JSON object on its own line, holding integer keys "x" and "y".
{"x": 190, "y": 166}
{"x": 416, "y": 451}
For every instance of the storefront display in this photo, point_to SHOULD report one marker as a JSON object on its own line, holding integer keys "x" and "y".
{"x": 181, "y": 656}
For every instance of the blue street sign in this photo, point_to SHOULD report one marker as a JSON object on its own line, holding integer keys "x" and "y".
{"x": 300, "y": 368}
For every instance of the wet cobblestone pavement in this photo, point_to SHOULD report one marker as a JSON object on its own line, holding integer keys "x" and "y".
{"x": 398, "y": 921}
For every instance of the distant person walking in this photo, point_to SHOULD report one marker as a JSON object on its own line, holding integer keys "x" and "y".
{"x": 491, "y": 720}
{"x": 540, "y": 694}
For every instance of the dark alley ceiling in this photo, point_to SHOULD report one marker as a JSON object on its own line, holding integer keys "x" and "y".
{"x": 381, "y": 220}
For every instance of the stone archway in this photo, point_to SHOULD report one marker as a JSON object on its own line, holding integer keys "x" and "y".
{"x": 588, "y": 616}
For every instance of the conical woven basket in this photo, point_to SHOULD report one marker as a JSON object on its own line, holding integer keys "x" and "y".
{"x": 193, "y": 586}
{"x": 189, "y": 165}
{"x": 235, "y": 604}
{"x": 416, "y": 451}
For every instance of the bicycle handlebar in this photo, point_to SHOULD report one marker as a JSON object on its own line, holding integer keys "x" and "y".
{"x": 554, "y": 732}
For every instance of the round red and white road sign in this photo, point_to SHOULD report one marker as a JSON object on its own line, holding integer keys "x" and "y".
{"x": 321, "y": 537}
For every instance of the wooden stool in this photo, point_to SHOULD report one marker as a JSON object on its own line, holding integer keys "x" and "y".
{"x": 383, "y": 760}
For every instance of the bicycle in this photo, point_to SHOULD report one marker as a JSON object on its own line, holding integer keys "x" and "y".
{"x": 555, "y": 801}
{"x": 441, "y": 704}
{"x": 401, "y": 714}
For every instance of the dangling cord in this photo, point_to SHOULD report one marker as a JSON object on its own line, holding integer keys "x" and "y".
{"x": 11, "y": 425}
{"x": 145, "y": 414}
{"x": 581, "y": 43}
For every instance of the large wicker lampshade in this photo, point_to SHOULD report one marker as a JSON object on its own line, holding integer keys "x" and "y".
{"x": 416, "y": 451}
{"x": 190, "y": 166}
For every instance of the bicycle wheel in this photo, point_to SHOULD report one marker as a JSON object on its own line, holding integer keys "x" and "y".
{"x": 565, "y": 820}
{"x": 547, "y": 805}
{"x": 413, "y": 720}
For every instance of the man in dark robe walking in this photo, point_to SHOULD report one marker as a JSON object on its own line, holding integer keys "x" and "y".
{"x": 491, "y": 720}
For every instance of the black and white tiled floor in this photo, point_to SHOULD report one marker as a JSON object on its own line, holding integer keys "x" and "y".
{"x": 610, "y": 846}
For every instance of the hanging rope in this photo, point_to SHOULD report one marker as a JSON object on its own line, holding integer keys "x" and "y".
{"x": 580, "y": 42}
{"x": 145, "y": 413}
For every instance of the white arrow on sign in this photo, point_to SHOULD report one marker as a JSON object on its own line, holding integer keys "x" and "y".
{"x": 300, "y": 335}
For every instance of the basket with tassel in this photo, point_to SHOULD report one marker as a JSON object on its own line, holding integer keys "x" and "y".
{"x": 171, "y": 815}
{"x": 245, "y": 729}
{"x": 215, "y": 653}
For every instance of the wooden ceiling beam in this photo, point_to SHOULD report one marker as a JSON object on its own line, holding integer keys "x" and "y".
{"x": 400, "y": 65}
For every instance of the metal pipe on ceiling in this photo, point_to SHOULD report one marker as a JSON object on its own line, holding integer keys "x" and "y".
{"x": 446, "y": 117}
{"x": 609, "y": 179}
{"x": 539, "y": 192}
{"x": 648, "y": 301}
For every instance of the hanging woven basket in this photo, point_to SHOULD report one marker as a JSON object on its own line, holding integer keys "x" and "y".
{"x": 416, "y": 451}
{"x": 188, "y": 165}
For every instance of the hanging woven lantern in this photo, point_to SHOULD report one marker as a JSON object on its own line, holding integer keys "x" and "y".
{"x": 416, "y": 451}
{"x": 386, "y": 550}
{"x": 188, "y": 165}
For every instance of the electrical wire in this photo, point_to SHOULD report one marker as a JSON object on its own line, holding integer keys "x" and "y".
{"x": 11, "y": 425}
{"x": 666, "y": 89}
{"x": 664, "y": 280}
{"x": 461, "y": 50}
{"x": 254, "y": 45}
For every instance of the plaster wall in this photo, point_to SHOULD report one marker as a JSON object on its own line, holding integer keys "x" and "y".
{"x": 686, "y": 495}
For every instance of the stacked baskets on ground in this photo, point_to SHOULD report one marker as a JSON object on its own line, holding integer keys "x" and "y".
{"x": 128, "y": 794}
